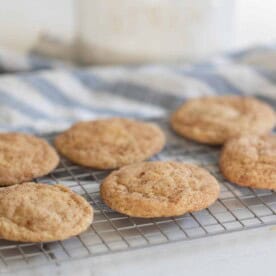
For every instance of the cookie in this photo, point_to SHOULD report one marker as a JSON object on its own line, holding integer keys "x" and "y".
{"x": 159, "y": 189}
{"x": 24, "y": 157}
{"x": 33, "y": 212}
{"x": 250, "y": 161}
{"x": 213, "y": 120}
{"x": 110, "y": 143}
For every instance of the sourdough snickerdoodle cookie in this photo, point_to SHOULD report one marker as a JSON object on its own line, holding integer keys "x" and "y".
{"x": 110, "y": 143}
{"x": 24, "y": 157}
{"x": 212, "y": 120}
{"x": 32, "y": 212}
{"x": 250, "y": 161}
{"x": 159, "y": 189}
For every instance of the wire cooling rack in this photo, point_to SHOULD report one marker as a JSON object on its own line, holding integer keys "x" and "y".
{"x": 237, "y": 209}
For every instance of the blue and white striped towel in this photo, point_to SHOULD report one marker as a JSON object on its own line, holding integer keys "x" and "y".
{"x": 52, "y": 99}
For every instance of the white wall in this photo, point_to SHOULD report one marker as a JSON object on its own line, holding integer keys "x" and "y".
{"x": 255, "y": 22}
{"x": 23, "y": 21}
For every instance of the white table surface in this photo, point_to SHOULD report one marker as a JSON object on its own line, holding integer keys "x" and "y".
{"x": 250, "y": 252}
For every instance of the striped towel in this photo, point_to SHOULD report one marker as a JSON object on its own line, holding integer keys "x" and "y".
{"x": 51, "y": 99}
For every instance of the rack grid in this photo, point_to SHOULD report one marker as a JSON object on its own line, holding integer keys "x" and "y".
{"x": 237, "y": 209}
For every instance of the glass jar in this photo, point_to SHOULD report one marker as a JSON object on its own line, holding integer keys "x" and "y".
{"x": 139, "y": 31}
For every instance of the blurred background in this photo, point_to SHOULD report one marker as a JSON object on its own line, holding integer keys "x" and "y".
{"x": 135, "y": 31}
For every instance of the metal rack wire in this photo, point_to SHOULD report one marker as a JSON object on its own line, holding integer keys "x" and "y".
{"x": 237, "y": 209}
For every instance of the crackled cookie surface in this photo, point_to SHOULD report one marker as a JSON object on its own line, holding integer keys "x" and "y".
{"x": 32, "y": 212}
{"x": 110, "y": 143}
{"x": 24, "y": 157}
{"x": 159, "y": 189}
{"x": 250, "y": 161}
{"x": 213, "y": 120}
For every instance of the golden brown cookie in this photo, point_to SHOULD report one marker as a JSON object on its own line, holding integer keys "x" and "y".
{"x": 159, "y": 189}
{"x": 250, "y": 161}
{"x": 110, "y": 143}
{"x": 24, "y": 157}
{"x": 213, "y": 120}
{"x": 33, "y": 212}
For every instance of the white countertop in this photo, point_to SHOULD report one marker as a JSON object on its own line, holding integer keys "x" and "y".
{"x": 250, "y": 252}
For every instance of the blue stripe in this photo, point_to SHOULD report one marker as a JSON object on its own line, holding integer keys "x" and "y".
{"x": 56, "y": 96}
{"x": 270, "y": 76}
{"x": 51, "y": 92}
{"x": 139, "y": 93}
{"x": 215, "y": 81}
{"x": 267, "y": 74}
{"x": 28, "y": 129}
{"x": 203, "y": 66}
{"x": 22, "y": 107}
{"x": 37, "y": 62}
{"x": 241, "y": 54}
